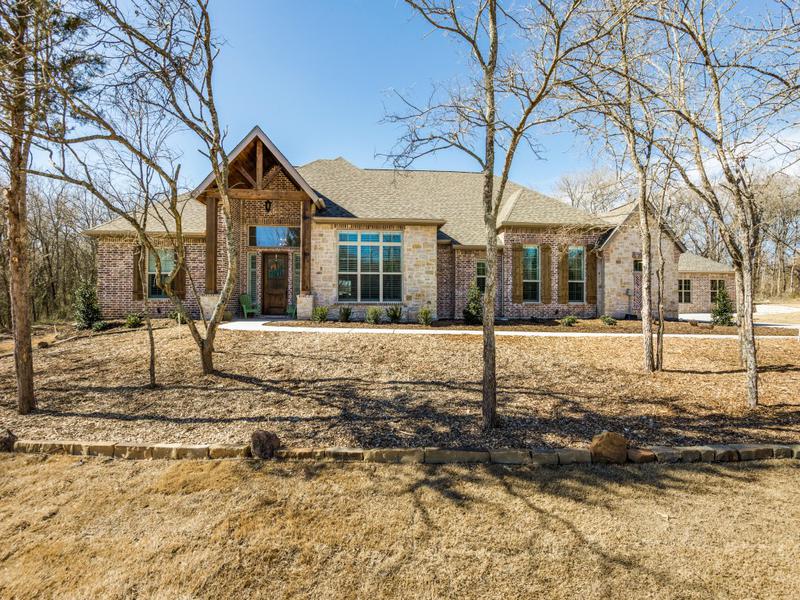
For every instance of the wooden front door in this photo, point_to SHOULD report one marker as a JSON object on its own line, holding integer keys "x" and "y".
{"x": 276, "y": 284}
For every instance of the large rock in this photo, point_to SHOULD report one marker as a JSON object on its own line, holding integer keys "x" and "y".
{"x": 609, "y": 447}
{"x": 7, "y": 440}
{"x": 264, "y": 443}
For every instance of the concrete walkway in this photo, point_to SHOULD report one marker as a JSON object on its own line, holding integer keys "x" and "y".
{"x": 760, "y": 316}
{"x": 263, "y": 325}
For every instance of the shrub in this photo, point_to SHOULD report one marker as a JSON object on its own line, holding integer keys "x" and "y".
{"x": 344, "y": 314}
{"x": 319, "y": 314}
{"x": 100, "y": 326}
{"x": 394, "y": 313}
{"x": 608, "y": 320}
{"x": 722, "y": 313}
{"x": 473, "y": 311}
{"x": 178, "y": 317}
{"x": 134, "y": 320}
{"x": 86, "y": 306}
{"x": 373, "y": 315}
{"x": 569, "y": 320}
{"x": 425, "y": 316}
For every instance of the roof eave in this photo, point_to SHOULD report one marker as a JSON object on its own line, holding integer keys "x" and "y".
{"x": 373, "y": 221}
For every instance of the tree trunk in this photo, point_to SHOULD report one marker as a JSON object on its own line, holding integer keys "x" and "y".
{"x": 747, "y": 335}
{"x": 17, "y": 220}
{"x": 489, "y": 405}
{"x": 207, "y": 357}
{"x": 151, "y": 365}
{"x": 647, "y": 313}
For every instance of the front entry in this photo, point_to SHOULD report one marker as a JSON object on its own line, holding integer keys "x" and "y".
{"x": 276, "y": 284}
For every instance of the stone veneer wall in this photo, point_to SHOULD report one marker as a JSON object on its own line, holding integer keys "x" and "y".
{"x": 701, "y": 290}
{"x": 419, "y": 261}
{"x": 115, "y": 277}
{"x": 618, "y": 257}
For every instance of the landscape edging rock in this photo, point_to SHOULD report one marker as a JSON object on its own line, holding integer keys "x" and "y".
{"x": 504, "y": 456}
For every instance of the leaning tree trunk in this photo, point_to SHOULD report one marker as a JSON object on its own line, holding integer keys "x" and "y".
{"x": 646, "y": 312}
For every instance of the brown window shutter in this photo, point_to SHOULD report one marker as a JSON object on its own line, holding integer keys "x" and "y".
{"x": 591, "y": 277}
{"x": 516, "y": 274}
{"x": 211, "y": 245}
{"x": 138, "y": 289}
{"x": 563, "y": 274}
{"x": 180, "y": 283}
{"x": 545, "y": 265}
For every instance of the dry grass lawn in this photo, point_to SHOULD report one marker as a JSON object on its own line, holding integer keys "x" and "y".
{"x": 374, "y": 390}
{"x": 230, "y": 529}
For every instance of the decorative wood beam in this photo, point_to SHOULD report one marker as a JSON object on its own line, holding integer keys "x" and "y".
{"x": 242, "y": 194}
{"x": 259, "y": 165}
{"x": 247, "y": 176}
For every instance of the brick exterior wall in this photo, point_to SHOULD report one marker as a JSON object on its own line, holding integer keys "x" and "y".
{"x": 555, "y": 240}
{"x": 115, "y": 278}
{"x": 445, "y": 281}
{"x": 701, "y": 291}
{"x": 419, "y": 267}
{"x": 465, "y": 272}
{"x": 618, "y": 275}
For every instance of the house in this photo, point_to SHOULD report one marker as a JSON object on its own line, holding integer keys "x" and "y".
{"x": 329, "y": 233}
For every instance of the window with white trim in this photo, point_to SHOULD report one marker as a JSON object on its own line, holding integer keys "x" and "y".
{"x": 167, "y": 256}
{"x": 370, "y": 266}
{"x": 531, "y": 279}
{"x": 716, "y": 286}
{"x": 576, "y": 274}
{"x": 684, "y": 291}
{"x": 480, "y": 275}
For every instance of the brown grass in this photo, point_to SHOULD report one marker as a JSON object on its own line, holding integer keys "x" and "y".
{"x": 229, "y": 529}
{"x": 374, "y": 390}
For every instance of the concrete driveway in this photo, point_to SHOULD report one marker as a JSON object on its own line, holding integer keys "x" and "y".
{"x": 761, "y": 316}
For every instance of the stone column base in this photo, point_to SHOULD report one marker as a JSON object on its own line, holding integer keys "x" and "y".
{"x": 305, "y": 306}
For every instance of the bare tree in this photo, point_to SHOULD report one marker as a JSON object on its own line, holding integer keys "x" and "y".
{"x": 159, "y": 60}
{"x": 518, "y": 56}
{"x": 595, "y": 191}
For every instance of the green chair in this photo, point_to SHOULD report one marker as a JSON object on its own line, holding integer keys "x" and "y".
{"x": 248, "y": 308}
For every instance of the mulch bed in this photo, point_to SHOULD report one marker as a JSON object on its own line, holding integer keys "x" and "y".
{"x": 550, "y": 325}
{"x": 383, "y": 391}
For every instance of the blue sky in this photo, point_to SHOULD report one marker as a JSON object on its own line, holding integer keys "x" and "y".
{"x": 315, "y": 75}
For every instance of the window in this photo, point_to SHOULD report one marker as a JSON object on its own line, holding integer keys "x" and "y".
{"x": 576, "y": 274}
{"x": 637, "y": 265}
{"x": 530, "y": 274}
{"x": 167, "y": 257}
{"x": 480, "y": 275}
{"x": 271, "y": 236}
{"x": 716, "y": 286}
{"x": 252, "y": 277}
{"x": 370, "y": 266}
{"x": 684, "y": 291}
{"x": 295, "y": 276}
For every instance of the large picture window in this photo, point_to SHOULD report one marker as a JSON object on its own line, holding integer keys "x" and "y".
{"x": 370, "y": 266}
{"x": 154, "y": 282}
{"x": 530, "y": 274}
{"x": 576, "y": 274}
{"x": 717, "y": 285}
{"x": 273, "y": 236}
{"x": 684, "y": 291}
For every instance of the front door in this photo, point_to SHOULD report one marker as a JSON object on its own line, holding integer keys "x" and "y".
{"x": 276, "y": 282}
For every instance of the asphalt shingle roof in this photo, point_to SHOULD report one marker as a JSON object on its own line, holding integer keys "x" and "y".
{"x": 694, "y": 263}
{"x": 193, "y": 219}
{"x": 450, "y": 196}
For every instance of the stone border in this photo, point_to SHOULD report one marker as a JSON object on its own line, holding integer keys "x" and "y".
{"x": 503, "y": 456}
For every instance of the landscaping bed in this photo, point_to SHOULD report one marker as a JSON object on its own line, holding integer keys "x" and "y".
{"x": 549, "y": 325}
{"x": 92, "y": 528}
{"x": 408, "y": 391}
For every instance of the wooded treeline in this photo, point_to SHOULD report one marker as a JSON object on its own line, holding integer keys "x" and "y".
{"x": 61, "y": 256}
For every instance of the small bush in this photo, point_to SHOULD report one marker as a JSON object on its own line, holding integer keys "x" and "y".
{"x": 473, "y": 311}
{"x": 425, "y": 316}
{"x": 722, "y": 313}
{"x": 178, "y": 317}
{"x": 86, "y": 306}
{"x": 134, "y": 320}
{"x": 344, "y": 314}
{"x": 608, "y": 320}
{"x": 394, "y": 313}
{"x": 569, "y": 321}
{"x": 100, "y": 326}
{"x": 319, "y": 314}
{"x": 373, "y": 315}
